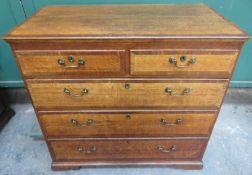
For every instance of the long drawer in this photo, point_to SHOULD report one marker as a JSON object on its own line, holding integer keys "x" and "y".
{"x": 72, "y": 62}
{"x": 183, "y": 63}
{"x": 70, "y": 94}
{"x": 128, "y": 149}
{"x": 143, "y": 124}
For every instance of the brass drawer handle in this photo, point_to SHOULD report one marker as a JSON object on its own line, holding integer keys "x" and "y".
{"x": 178, "y": 121}
{"x": 167, "y": 150}
{"x": 75, "y": 122}
{"x": 71, "y": 59}
{"x": 171, "y": 92}
{"x": 82, "y": 149}
{"x": 70, "y": 92}
{"x": 174, "y": 61}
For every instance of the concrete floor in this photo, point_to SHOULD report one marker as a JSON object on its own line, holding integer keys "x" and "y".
{"x": 229, "y": 151}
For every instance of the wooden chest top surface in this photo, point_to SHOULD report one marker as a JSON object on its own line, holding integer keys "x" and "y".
{"x": 126, "y": 21}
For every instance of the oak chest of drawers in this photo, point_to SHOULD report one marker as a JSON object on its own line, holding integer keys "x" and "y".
{"x": 127, "y": 84}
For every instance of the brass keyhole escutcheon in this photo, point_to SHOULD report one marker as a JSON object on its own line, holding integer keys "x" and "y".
{"x": 183, "y": 58}
{"x": 127, "y": 86}
{"x": 71, "y": 58}
{"x": 128, "y": 116}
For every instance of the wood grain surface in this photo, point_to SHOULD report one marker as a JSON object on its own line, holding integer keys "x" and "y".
{"x": 127, "y": 124}
{"x": 113, "y": 94}
{"x": 96, "y": 62}
{"x": 129, "y": 149}
{"x": 213, "y": 63}
{"x": 126, "y": 21}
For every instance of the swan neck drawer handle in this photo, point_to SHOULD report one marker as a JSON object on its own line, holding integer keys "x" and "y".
{"x": 178, "y": 121}
{"x": 71, "y": 59}
{"x": 171, "y": 92}
{"x": 70, "y": 92}
{"x": 174, "y": 61}
{"x": 167, "y": 150}
{"x": 75, "y": 122}
{"x": 89, "y": 150}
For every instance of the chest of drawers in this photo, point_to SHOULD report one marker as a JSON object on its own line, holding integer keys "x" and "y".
{"x": 126, "y": 84}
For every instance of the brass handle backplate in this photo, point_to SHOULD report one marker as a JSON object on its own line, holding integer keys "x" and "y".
{"x": 89, "y": 150}
{"x": 174, "y": 61}
{"x": 75, "y": 122}
{"x": 178, "y": 121}
{"x": 167, "y": 150}
{"x": 70, "y": 92}
{"x": 71, "y": 59}
{"x": 171, "y": 92}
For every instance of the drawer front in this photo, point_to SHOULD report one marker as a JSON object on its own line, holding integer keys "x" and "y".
{"x": 110, "y": 62}
{"x": 144, "y": 149}
{"x": 127, "y": 124}
{"x": 130, "y": 94}
{"x": 183, "y": 63}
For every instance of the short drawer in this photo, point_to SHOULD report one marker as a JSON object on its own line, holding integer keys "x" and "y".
{"x": 143, "y": 124}
{"x": 82, "y": 63}
{"x": 126, "y": 94}
{"x": 183, "y": 63}
{"x": 128, "y": 149}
